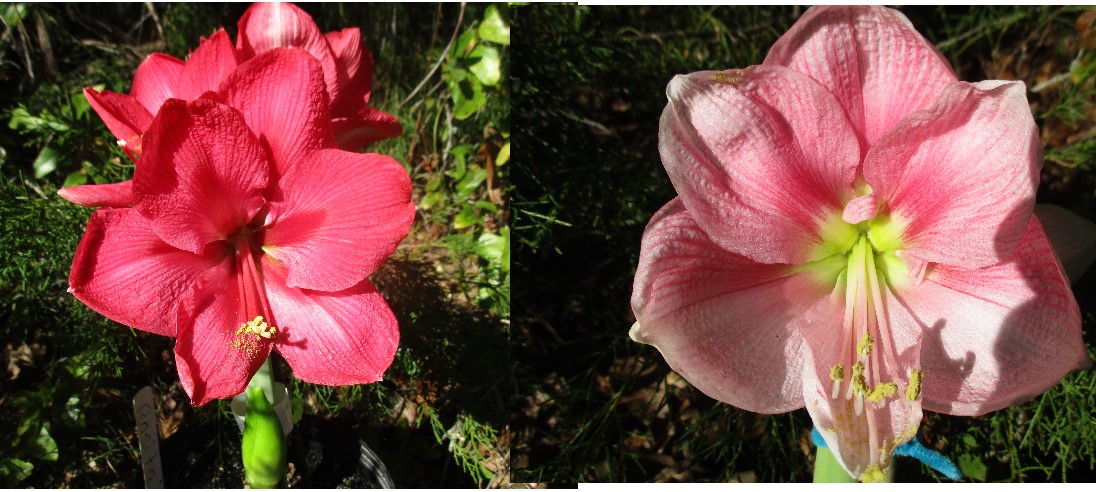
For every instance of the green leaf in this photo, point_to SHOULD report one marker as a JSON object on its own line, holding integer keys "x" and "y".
{"x": 433, "y": 184}
{"x": 471, "y": 181}
{"x": 504, "y": 155}
{"x": 495, "y": 248}
{"x": 46, "y": 446}
{"x": 46, "y": 162}
{"x": 460, "y": 157}
{"x": 80, "y": 104}
{"x": 23, "y": 121}
{"x": 74, "y": 179}
{"x": 464, "y": 44}
{"x": 494, "y": 28}
{"x": 467, "y": 93}
{"x": 466, "y": 218}
{"x": 486, "y": 68}
{"x": 431, "y": 199}
{"x": 973, "y": 467}
{"x": 486, "y": 206}
{"x": 17, "y": 469}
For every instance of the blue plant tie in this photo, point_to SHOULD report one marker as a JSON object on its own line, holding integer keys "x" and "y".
{"x": 913, "y": 449}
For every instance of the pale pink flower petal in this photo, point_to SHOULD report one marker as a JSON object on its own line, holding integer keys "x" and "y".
{"x": 203, "y": 174}
{"x": 340, "y": 214}
{"x": 125, "y": 272}
{"x": 722, "y": 321}
{"x": 280, "y": 94}
{"x": 266, "y": 26}
{"x": 961, "y": 174}
{"x": 215, "y": 357}
{"x": 104, "y": 195}
{"x": 999, "y": 335}
{"x": 761, "y": 157}
{"x": 1072, "y": 236}
{"x": 332, "y": 338}
{"x": 874, "y": 61}
{"x": 155, "y": 80}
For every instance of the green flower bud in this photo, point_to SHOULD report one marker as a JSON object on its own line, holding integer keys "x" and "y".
{"x": 263, "y": 448}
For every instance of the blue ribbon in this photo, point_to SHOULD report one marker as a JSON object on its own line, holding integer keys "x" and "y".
{"x": 913, "y": 449}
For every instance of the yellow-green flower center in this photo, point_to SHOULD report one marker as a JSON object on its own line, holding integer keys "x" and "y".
{"x": 862, "y": 263}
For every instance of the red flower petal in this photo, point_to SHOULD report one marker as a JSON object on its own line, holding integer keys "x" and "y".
{"x": 104, "y": 195}
{"x": 370, "y": 125}
{"x": 332, "y": 338}
{"x": 340, "y": 215}
{"x": 203, "y": 175}
{"x": 266, "y": 26}
{"x": 126, "y": 118}
{"x": 355, "y": 65}
{"x": 207, "y": 67}
{"x": 280, "y": 94}
{"x": 156, "y": 80}
{"x": 125, "y": 272}
{"x": 214, "y": 361}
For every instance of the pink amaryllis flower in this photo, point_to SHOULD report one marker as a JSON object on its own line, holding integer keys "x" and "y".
{"x": 347, "y": 64}
{"x": 854, "y": 234}
{"x": 239, "y": 245}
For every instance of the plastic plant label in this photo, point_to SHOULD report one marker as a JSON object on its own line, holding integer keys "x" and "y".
{"x": 148, "y": 435}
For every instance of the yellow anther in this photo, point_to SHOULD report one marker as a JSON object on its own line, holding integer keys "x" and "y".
{"x": 859, "y": 385}
{"x": 837, "y": 372}
{"x": 914, "y": 389}
{"x": 873, "y": 474}
{"x": 881, "y": 391}
{"x": 864, "y": 347}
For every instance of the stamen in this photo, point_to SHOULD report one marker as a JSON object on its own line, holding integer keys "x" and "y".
{"x": 864, "y": 347}
{"x": 882, "y": 391}
{"x": 914, "y": 389}
{"x": 837, "y": 373}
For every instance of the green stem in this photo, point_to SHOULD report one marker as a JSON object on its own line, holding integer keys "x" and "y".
{"x": 264, "y": 379}
{"x": 828, "y": 470}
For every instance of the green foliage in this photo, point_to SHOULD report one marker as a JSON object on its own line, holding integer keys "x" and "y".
{"x": 467, "y": 440}
{"x": 445, "y": 283}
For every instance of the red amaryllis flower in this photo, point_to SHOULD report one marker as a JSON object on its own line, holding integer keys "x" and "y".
{"x": 239, "y": 245}
{"x": 347, "y": 66}
{"x": 280, "y": 93}
{"x": 346, "y": 63}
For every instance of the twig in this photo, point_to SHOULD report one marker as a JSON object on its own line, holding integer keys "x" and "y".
{"x": 444, "y": 55}
{"x": 156, "y": 19}
{"x": 1004, "y": 21}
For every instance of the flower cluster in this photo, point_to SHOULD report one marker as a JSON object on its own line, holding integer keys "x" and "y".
{"x": 854, "y": 234}
{"x": 246, "y": 228}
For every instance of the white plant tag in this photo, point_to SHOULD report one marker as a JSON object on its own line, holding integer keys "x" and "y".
{"x": 148, "y": 436}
